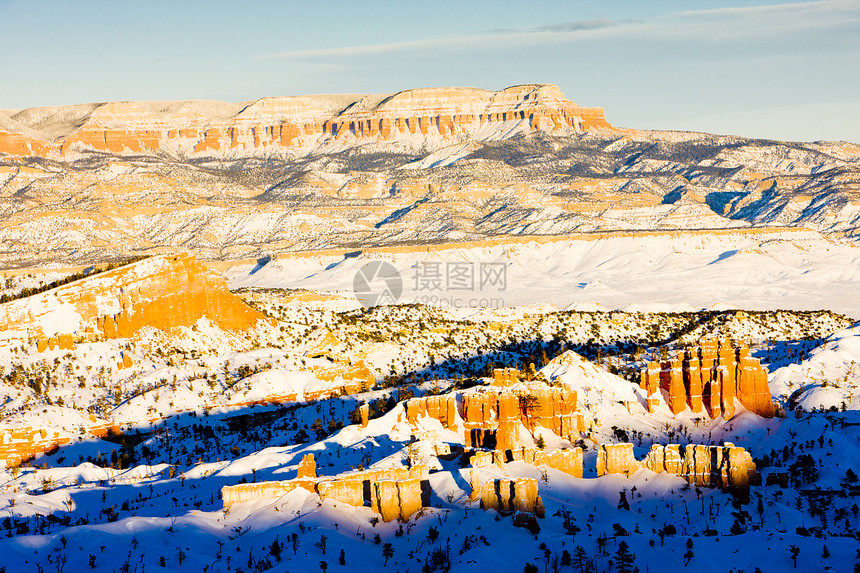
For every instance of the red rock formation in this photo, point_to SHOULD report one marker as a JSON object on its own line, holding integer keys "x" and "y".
{"x": 397, "y": 499}
{"x": 299, "y": 123}
{"x": 442, "y": 408}
{"x": 509, "y": 495}
{"x": 307, "y": 467}
{"x": 710, "y": 376}
{"x": 499, "y": 415}
{"x": 616, "y": 459}
{"x": 244, "y": 492}
{"x": 349, "y": 491}
{"x": 22, "y": 444}
{"x": 727, "y": 466}
{"x": 162, "y": 292}
{"x": 566, "y": 460}
{"x": 505, "y": 376}
{"x": 23, "y": 146}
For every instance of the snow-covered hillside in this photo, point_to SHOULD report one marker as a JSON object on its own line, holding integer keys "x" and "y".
{"x": 828, "y": 378}
{"x": 800, "y": 270}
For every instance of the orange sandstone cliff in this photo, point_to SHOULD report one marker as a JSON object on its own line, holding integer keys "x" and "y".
{"x": 162, "y": 292}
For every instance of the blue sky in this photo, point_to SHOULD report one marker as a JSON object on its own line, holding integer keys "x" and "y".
{"x": 787, "y": 70}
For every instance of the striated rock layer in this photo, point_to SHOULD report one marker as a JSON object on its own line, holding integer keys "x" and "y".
{"x": 292, "y": 124}
{"x": 161, "y": 292}
{"x": 727, "y": 466}
{"x": 394, "y": 493}
{"x": 709, "y": 378}
{"x": 495, "y": 417}
{"x": 510, "y": 495}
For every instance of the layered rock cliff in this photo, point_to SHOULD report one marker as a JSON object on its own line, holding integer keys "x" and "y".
{"x": 294, "y": 125}
{"x": 500, "y": 417}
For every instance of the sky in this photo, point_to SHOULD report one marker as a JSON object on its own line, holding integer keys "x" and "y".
{"x": 759, "y": 68}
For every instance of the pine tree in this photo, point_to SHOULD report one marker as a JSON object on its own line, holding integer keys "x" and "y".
{"x": 624, "y": 558}
{"x": 580, "y": 558}
{"x": 795, "y": 551}
{"x": 689, "y": 554}
{"x": 387, "y": 552}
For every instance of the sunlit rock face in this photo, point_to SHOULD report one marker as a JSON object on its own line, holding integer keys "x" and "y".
{"x": 708, "y": 379}
{"x": 161, "y": 292}
{"x": 294, "y": 124}
{"x": 728, "y": 466}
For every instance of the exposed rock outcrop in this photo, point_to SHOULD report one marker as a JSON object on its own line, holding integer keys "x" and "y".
{"x": 397, "y": 499}
{"x": 307, "y": 468}
{"x": 295, "y": 124}
{"x": 22, "y": 444}
{"x": 709, "y": 378}
{"x": 245, "y": 492}
{"x": 502, "y": 409}
{"x": 349, "y": 491}
{"x": 394, "y": 493}
{"x": 728, "y": 466}
{"x": 567, "y": 460}
{"x": 162, "y": 292}
{"x": 616, "y": 459}
{"x": 510, "y": 495}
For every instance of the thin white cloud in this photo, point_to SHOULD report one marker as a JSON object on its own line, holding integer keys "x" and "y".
{"x": 537, "y": 35}
{"x": 821, "y": 6}
{"x": 715, "y": 24}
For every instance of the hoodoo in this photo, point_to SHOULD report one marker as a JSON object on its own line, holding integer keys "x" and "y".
{"x": 710, "y": 378}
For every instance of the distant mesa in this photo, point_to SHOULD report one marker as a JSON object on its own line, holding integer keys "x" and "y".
{"x": 292, "y": 124}
{"x": 162, "y": 292}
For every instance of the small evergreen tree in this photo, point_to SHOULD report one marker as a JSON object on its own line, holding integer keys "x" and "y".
{"x": 387, "y": 552}
{"x": 624, "y": 558}
{"x": 689, "y": 554}
{"x": 795, "y": 551}
{"x": 580, "y": 558}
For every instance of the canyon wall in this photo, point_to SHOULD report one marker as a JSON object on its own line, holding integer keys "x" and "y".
{"x": 293, "y": 124}
{"x": 708, "y": 379}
